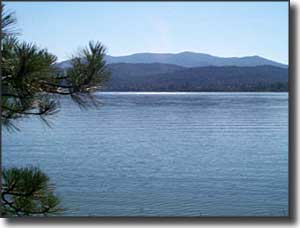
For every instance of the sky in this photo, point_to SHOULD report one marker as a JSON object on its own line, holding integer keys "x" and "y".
{"x": 226, "y": 29}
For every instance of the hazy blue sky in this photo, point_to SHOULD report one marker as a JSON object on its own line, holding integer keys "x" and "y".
{"x": 218, "y": 28}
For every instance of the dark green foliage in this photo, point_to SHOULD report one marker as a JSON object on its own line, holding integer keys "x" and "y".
{"x": 32, "y": 84}
{"x": 164, "y": 77}
{"x": 27, "y": 192}
{"x": 24, "y": 68}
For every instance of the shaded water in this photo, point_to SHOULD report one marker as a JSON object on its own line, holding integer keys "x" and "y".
{"x": 163, "y": 154}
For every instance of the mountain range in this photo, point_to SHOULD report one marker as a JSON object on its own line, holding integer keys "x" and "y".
{"x": 188, "y": 59}
{"x": 192, "y": 59}
{"x": 188, "y": 71}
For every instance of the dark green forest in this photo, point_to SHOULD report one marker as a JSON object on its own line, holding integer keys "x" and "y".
{"x": 166, "y": 77}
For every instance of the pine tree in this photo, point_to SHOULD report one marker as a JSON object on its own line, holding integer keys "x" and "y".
{"x": 32, "y": 85}
{"x": 26, "y": 191}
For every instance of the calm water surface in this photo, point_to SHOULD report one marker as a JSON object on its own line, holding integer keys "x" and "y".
{"x": 163, "y": 154}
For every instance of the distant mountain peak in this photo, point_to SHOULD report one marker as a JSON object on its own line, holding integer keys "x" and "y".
{"x": 188, "y": 59}
{"x": 192, "y": 59}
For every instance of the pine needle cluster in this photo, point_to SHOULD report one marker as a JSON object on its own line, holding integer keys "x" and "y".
{"x": 32, "y": 85}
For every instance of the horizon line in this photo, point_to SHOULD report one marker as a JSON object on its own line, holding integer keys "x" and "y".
{"x": 181, "y": 52}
